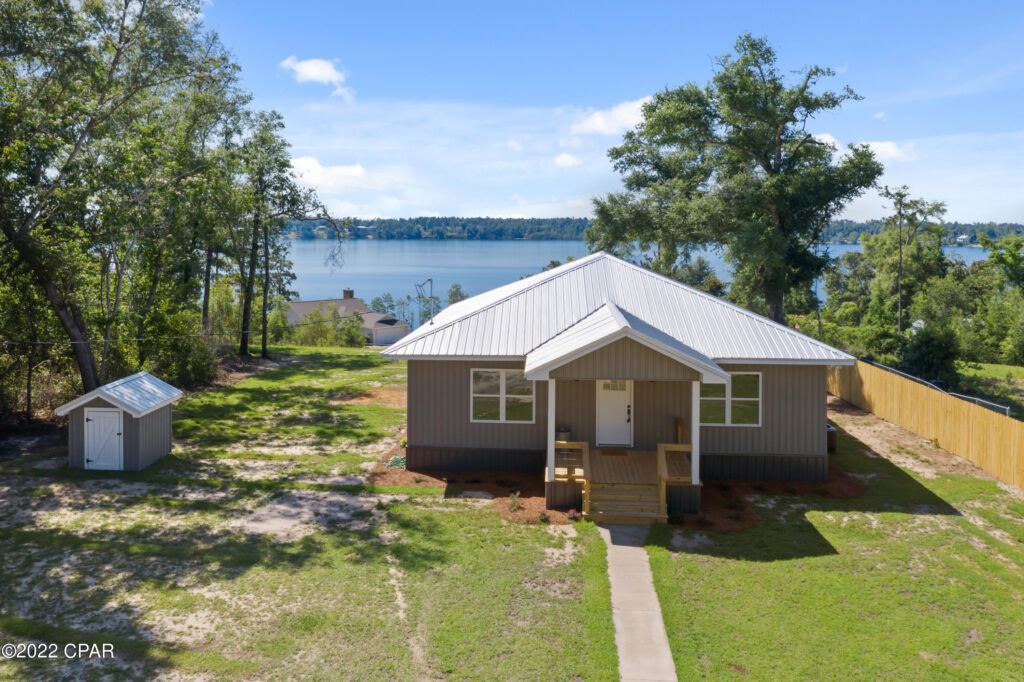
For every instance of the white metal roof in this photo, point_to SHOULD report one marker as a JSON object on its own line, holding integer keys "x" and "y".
{"x": 138, "y": 395}
{"x": 609, "y": 324}
{"x": 511, "y": 321}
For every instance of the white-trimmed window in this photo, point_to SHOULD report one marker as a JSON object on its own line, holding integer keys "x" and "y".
{"x": 500, "y": 395}
{"x": 737, "y": 403}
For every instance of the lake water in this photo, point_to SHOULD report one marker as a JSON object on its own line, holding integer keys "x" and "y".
{"x": 373, "y": 267}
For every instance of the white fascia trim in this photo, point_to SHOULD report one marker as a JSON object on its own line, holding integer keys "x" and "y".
{"x": 473, "y": 358}
{"x": 780, "y": 361}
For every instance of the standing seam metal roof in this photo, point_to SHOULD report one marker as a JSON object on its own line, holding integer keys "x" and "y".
{"x": 514, "y": 319}
{"x": 138, "y": 395}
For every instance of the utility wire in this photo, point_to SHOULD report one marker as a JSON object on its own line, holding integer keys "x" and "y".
{"x": 164, "y": 338}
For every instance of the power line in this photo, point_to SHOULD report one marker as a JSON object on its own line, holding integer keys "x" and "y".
{"x": 165, "y": 338}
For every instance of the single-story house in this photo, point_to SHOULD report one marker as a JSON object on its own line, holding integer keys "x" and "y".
{"x": 380, "y": 329}
{"x": 121, "y": 426}
{"x": 625, "y": 388}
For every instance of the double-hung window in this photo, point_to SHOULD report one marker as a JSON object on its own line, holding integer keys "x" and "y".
{"x": 737, "y": 403}
{"x": 501, "y": 395}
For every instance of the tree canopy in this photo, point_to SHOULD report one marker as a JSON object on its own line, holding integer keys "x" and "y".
{"x": 732, "y": 164}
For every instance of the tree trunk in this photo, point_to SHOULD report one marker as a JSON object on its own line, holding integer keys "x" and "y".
{"x": 899, "y": 285}
{"x": 776, "y": 310}
{"x": 206, "y": 289}
{"x": 28, "y": 383}
{"x": 247, "y": 291}
{"x": 68, "y": 314}
{"x": 144, "y": 313}
{"x": 266, "y": 289}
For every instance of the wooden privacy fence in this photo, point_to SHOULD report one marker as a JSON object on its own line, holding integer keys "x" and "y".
{"x": 992, "y": 441}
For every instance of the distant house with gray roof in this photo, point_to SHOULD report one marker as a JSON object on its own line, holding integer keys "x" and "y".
{"x": 380, "y": 329}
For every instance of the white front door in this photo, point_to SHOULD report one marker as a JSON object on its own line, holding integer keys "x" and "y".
{"x": 103, "y": 438}
{"x": 614, "y": 412}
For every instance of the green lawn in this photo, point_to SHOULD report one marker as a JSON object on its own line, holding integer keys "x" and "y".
{"x": 1002, "y": 384}
{"x": 200, "y": 566}
{"x": 921, "y": 578}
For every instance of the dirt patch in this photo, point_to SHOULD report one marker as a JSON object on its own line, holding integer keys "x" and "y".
{"x": 296, "y": 514}
{"x": 384, "y": 397}
{"x": 726, "y": 505}
{"x": 898, "y": 445}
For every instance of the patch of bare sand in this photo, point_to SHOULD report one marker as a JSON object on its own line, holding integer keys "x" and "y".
{"x": 296, "y": 514}
{"x": 384, "y": 397}
{"x": 898, "y": 445}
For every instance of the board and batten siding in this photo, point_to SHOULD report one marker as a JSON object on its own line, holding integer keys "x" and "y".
{"x": 656, "y": 405}
{"x": 792, "y": 425}
{"x": 625, "y": 359}
{"x": 144, "y": 440}
{"x": 793, "y": 417}
{"x": 441, "y": 435}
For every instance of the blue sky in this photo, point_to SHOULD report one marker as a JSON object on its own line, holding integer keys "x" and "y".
{"x": 508, "y": 109}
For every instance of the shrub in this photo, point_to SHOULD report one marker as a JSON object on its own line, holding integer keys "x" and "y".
{"x": 514, "y": 503}
{"x": 932, "y": 353}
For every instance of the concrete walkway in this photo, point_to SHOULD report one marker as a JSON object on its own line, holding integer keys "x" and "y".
{"x": 639, "y": 629}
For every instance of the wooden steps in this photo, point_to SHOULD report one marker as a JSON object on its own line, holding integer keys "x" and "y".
{"x": 625, "y": 503}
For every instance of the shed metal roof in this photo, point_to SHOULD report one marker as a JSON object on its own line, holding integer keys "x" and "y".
{"x": 511, "y": 321}
{"x": 138, "y": 395}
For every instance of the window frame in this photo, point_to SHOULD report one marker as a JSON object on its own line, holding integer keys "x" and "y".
{"x": 502, "y": 396}
{"x": 728, "y": 400}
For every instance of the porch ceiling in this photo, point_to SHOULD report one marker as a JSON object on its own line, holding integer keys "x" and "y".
{"x": 606, "y": 325}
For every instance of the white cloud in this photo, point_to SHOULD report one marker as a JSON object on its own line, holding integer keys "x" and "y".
{"x": 515, "y": 145}
{"x": 339, "y": 179}
{"x": 567, "y": 160}
{"x": 828, "y": 139}
{"x": 614, "y": 121}
{"x": 893, "y": 151}
{"x": 880, "y": 115}
{"x": 318, "y": 71}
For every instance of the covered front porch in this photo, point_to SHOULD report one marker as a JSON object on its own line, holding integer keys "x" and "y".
{"x": 629, "y": 395}
{"x": 623, "y": 485}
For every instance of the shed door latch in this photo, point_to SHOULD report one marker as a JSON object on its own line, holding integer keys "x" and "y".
{"x": 88, "y": 419}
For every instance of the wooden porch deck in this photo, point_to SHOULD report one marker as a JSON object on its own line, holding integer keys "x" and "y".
{"x": 627, "y": 486}
{"x": 625, "y": 467}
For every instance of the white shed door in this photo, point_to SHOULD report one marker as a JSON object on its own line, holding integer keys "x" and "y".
{"x": 615, "y": 412}
{"x": 103, "y": 438}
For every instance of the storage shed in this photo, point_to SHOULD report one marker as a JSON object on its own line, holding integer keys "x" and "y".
{"x": 121, "y": 426}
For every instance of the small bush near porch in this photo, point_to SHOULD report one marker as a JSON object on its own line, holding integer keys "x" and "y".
{"x": 922, "y": 577}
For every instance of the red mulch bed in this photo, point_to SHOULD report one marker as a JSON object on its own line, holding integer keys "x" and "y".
{"x": 724, "y": 505}
{"x": 501, "y": 485}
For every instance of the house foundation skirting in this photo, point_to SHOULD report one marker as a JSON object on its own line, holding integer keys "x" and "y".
{"x": 764, "y": 467}
{"x": 564, "y": 496}
{"x": 682, "y": 499}
{"x": 418, "y": 458}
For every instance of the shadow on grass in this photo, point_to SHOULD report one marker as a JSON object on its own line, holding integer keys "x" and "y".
{"x": 784, "y": 532}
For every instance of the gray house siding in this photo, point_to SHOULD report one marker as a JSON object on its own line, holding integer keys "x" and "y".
{"x": 789, "y": 444}
{"x": 792, "y": 418}
{"x": 625, "y": 359}
{"x": 144, "y": 440}
{"x": 656, "y": 405}
{"x": 441, "y": 435}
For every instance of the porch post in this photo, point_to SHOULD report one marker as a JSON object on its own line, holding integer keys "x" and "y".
{"x": 551, "y": 430}
{"x": 695, "y": 437}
